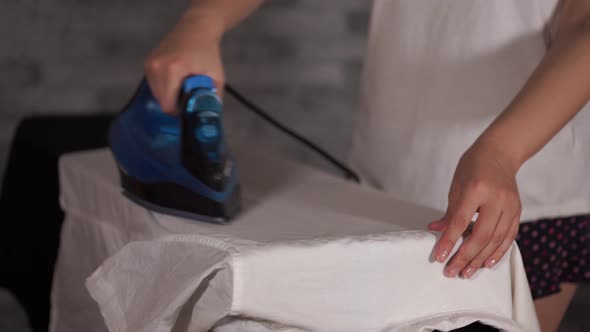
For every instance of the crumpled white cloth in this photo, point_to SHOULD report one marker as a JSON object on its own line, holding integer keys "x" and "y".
{"x": 310, "y": 252}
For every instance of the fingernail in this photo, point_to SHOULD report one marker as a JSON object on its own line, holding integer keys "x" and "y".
{"x": 452, "y": 272}
{"x": 442, "y": 256}
{"x": 469, "y": 272}
{"x": 490, "y": 263}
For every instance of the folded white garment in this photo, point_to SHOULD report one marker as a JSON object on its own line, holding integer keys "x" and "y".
{"x": 310, "y": 252}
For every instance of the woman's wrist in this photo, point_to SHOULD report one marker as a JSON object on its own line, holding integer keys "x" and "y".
{"x": 504, "y": 150}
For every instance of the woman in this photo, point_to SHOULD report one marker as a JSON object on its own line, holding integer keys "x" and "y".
{"x": 485, "y": 90}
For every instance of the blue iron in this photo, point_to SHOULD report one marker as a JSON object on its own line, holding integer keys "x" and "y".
{"x": 177, "y": 165}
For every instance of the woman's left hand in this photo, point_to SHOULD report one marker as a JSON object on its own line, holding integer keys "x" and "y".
{"x": 484, "y": 182}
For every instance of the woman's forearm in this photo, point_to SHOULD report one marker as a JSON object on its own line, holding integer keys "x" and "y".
{"x": 557, "y": 90}
{"x": 219, "y": 16}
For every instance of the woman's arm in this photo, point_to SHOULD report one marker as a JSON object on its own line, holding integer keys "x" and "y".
{"x": 221, "y": 15}
{"x": 557, "y": 90}
{"x": 485, "y": 177}
{"x": 193, "y": 47}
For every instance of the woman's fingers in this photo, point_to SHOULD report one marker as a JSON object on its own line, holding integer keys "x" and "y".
{"x": 506, "y": 244}
{"x": 482, "y": 233}
{"x": 456, "y": 220}
{"x": 497, "y": 238}
{"x": 438, "y": 226}
{"x": 163, "y": 76}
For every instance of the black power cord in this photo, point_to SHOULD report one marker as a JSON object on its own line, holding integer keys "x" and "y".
{"x": 350, "y": 174}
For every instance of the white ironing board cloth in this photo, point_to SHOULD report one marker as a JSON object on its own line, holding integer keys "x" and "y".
{"x": 310, "y": 252}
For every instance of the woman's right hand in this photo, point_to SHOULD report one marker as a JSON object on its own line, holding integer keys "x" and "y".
{"x": 191, "y": 48}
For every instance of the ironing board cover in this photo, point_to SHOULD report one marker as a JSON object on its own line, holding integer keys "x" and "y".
{"x": 310, "y": 252}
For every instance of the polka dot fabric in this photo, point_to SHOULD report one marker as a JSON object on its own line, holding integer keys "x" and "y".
{"x": 555, "y": 251}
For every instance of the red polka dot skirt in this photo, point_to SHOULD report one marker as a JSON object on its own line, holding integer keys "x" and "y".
{"x": 555, "y": 251}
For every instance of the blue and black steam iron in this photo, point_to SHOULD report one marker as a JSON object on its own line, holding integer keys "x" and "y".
{"x": 177, "y": 165}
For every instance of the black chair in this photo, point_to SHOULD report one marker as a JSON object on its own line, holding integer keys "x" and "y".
{"x": 31, "y": 215}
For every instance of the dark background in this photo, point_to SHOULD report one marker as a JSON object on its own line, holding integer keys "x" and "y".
{"x": 300, "y": 59}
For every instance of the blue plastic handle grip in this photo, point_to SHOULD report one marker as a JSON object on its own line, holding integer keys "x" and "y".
{"x": 198, "y": 82}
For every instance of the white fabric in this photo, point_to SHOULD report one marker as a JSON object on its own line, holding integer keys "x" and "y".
{"x": 436, "y": 75}
{"x": 310, "y": 252}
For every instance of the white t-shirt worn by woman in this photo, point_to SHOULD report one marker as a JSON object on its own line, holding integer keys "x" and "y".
{"x": 437, "y": 73}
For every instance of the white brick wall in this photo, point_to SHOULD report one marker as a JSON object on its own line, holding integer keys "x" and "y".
{"x": 299, "y": 58}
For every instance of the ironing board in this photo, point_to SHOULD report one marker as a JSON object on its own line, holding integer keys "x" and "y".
{"x": 310, "y": 252}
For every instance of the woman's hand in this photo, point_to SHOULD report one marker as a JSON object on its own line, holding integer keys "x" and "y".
{"x": 484, "y": 182}
{"x": 485, "y": 177}
{"x": 191, "y": 48}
